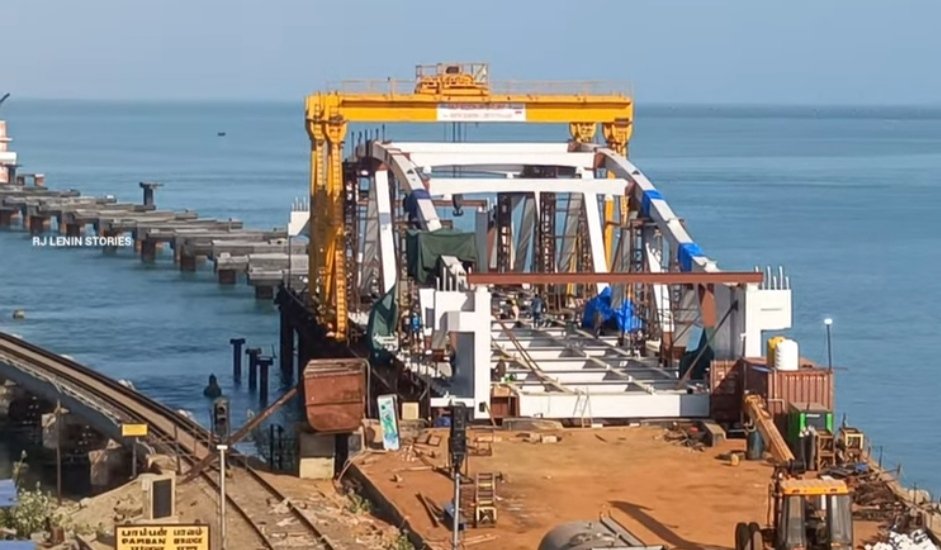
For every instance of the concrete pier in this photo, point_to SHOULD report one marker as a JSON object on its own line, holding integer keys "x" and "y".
{"x": 253, "y": 354}
{"x": 149, "y": 187}
{"x": 266, "y": 257}
{"x": 264, "y": 364}
{"x": 237, "y": 344}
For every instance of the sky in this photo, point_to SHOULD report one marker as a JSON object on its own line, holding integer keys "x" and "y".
{"x": 831, "y": 52}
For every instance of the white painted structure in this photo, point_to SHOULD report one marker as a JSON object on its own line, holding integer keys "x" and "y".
{"x": 7, "y": 157}
{"x": 554, "y": 374}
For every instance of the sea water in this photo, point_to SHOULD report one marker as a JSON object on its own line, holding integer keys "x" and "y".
{"x": 844, "y": 198}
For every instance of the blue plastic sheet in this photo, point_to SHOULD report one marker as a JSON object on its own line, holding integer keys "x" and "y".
{"x": 625, "y": 317}
{"x": 685, "y": 254}
{"x": 648, "y": 196}
{"x": 7, "y": 493}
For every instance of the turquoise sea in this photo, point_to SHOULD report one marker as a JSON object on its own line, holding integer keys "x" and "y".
{"x": 846, "y": 199}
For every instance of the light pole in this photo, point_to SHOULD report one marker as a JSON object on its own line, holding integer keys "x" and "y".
{"x": 828, "y": 322}
{"x": 222, "y": 449}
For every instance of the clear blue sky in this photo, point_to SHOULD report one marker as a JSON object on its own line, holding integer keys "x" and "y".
{"x": 696, "y": 51}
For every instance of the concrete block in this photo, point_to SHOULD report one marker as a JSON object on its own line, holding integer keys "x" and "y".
{"x": 410, "y": 410}
{"x": 316, "y": 455}
{"x": 549, "y": 439}
{"x": 531, "y": 424}
{"x": 106, "y": 465}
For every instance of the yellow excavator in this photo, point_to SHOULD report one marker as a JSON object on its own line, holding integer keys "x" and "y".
{"x": 804, "y": 514}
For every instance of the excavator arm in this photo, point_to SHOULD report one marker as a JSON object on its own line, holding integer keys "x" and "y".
{"x": 758, "y": 413}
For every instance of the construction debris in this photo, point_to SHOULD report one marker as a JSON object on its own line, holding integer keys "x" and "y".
{"x": 918, "y": 540}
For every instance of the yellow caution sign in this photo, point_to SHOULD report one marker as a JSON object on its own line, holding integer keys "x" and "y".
{"x": 161, "y": 537}
{"x": 134, "y": 430}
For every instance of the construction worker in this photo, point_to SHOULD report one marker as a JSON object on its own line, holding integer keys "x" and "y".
{"x": 415, "y": 328}
{"x": 538, "y": 307}
{"x": 514, "y": 309}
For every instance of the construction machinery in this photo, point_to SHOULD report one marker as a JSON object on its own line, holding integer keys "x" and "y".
{"x": 591, "y": 535}
{"x": 804, "y": 514}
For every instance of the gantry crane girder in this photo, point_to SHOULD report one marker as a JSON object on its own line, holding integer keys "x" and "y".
{"x": 447, "y": 92}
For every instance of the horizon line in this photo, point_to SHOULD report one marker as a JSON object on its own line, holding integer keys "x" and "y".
{"x": 659, "y": 104}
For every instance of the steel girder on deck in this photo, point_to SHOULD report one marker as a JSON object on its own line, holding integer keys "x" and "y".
{"x": 725, "y": 303}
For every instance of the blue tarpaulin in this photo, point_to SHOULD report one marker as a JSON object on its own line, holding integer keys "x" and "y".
{"x": 648, "y": 196}
{"x": 7, "y": 493}
{"x": 685, "y": 254}
{"x": 18, "y": 545}
{"x": 624, "y": 316}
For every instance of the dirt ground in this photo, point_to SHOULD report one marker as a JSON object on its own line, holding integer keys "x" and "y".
{"x": 663, "y": 492}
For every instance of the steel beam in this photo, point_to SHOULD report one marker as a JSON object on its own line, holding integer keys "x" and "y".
{"x": 631, "y": 277}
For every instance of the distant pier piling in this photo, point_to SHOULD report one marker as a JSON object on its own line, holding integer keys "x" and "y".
{"x": 266, "y": 258}
{"x": 237, "y": 344}
{"x": 253, "y": 354}
{"x": 264, "y": 363}
{"x": 149, "y": 187}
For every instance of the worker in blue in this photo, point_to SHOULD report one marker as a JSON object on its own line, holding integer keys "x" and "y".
{"x": 414, "y": 323}
{"x": 538, "y": 308}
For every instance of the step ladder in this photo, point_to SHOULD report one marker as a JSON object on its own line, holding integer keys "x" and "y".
{"x": 485, "y": 500}
{"x": 583, "y": 408}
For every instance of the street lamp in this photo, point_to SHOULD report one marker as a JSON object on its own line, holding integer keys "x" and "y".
{"x": 828, "y": 322}
{"x": 222, "y": 449}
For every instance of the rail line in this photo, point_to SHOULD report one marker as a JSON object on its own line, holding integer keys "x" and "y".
{"x": 174, "y": 433}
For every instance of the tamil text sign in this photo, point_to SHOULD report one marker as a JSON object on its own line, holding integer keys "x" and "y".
{"x": 469, "y": 112}
{"x": 161, "y": 537}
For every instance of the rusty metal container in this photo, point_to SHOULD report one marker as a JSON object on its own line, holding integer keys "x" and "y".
{"x": 782, "y": 388}
{"x": 335, "y": 394}
{"x": 725, "y": 400}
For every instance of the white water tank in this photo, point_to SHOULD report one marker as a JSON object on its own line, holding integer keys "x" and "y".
{"x": 787, "y": 355}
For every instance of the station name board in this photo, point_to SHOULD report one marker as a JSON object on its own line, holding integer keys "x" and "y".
{"x": 161, "y": 537}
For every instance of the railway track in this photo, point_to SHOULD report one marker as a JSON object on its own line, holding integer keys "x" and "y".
{"x": 256, "y": 502}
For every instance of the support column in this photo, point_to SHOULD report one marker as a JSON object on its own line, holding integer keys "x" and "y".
{"x": 237, "y": 344}
{"x": 149, "y": 187}
{"x": 287, "y": 347}
{"x": 264, "y": 292}
{"x": 253, "y": 354}
{"x": 74, "y": 229}
{"x": 38, "y": 225}
{"x": 148, "y": 250}
{"x": 187, "y": 262}
{"x": 227, "y": 276}
{"x": 264, "y": 363}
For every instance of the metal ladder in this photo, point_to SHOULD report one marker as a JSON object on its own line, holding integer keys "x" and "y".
{"x": 583, "y": 408}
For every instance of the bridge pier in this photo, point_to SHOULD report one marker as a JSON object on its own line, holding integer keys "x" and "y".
{"x": 148, "y": 250}
{"x": 227, "y": 276}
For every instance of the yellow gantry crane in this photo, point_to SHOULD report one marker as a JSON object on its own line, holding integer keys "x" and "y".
{"x": 446, "y": 92}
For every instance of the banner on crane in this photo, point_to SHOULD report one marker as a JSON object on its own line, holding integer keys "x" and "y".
{"x": 470, "y": 112}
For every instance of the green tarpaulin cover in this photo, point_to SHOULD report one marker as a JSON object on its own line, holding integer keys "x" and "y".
{"x": 382, "y": 318}
{"x": 425, "y": 248}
